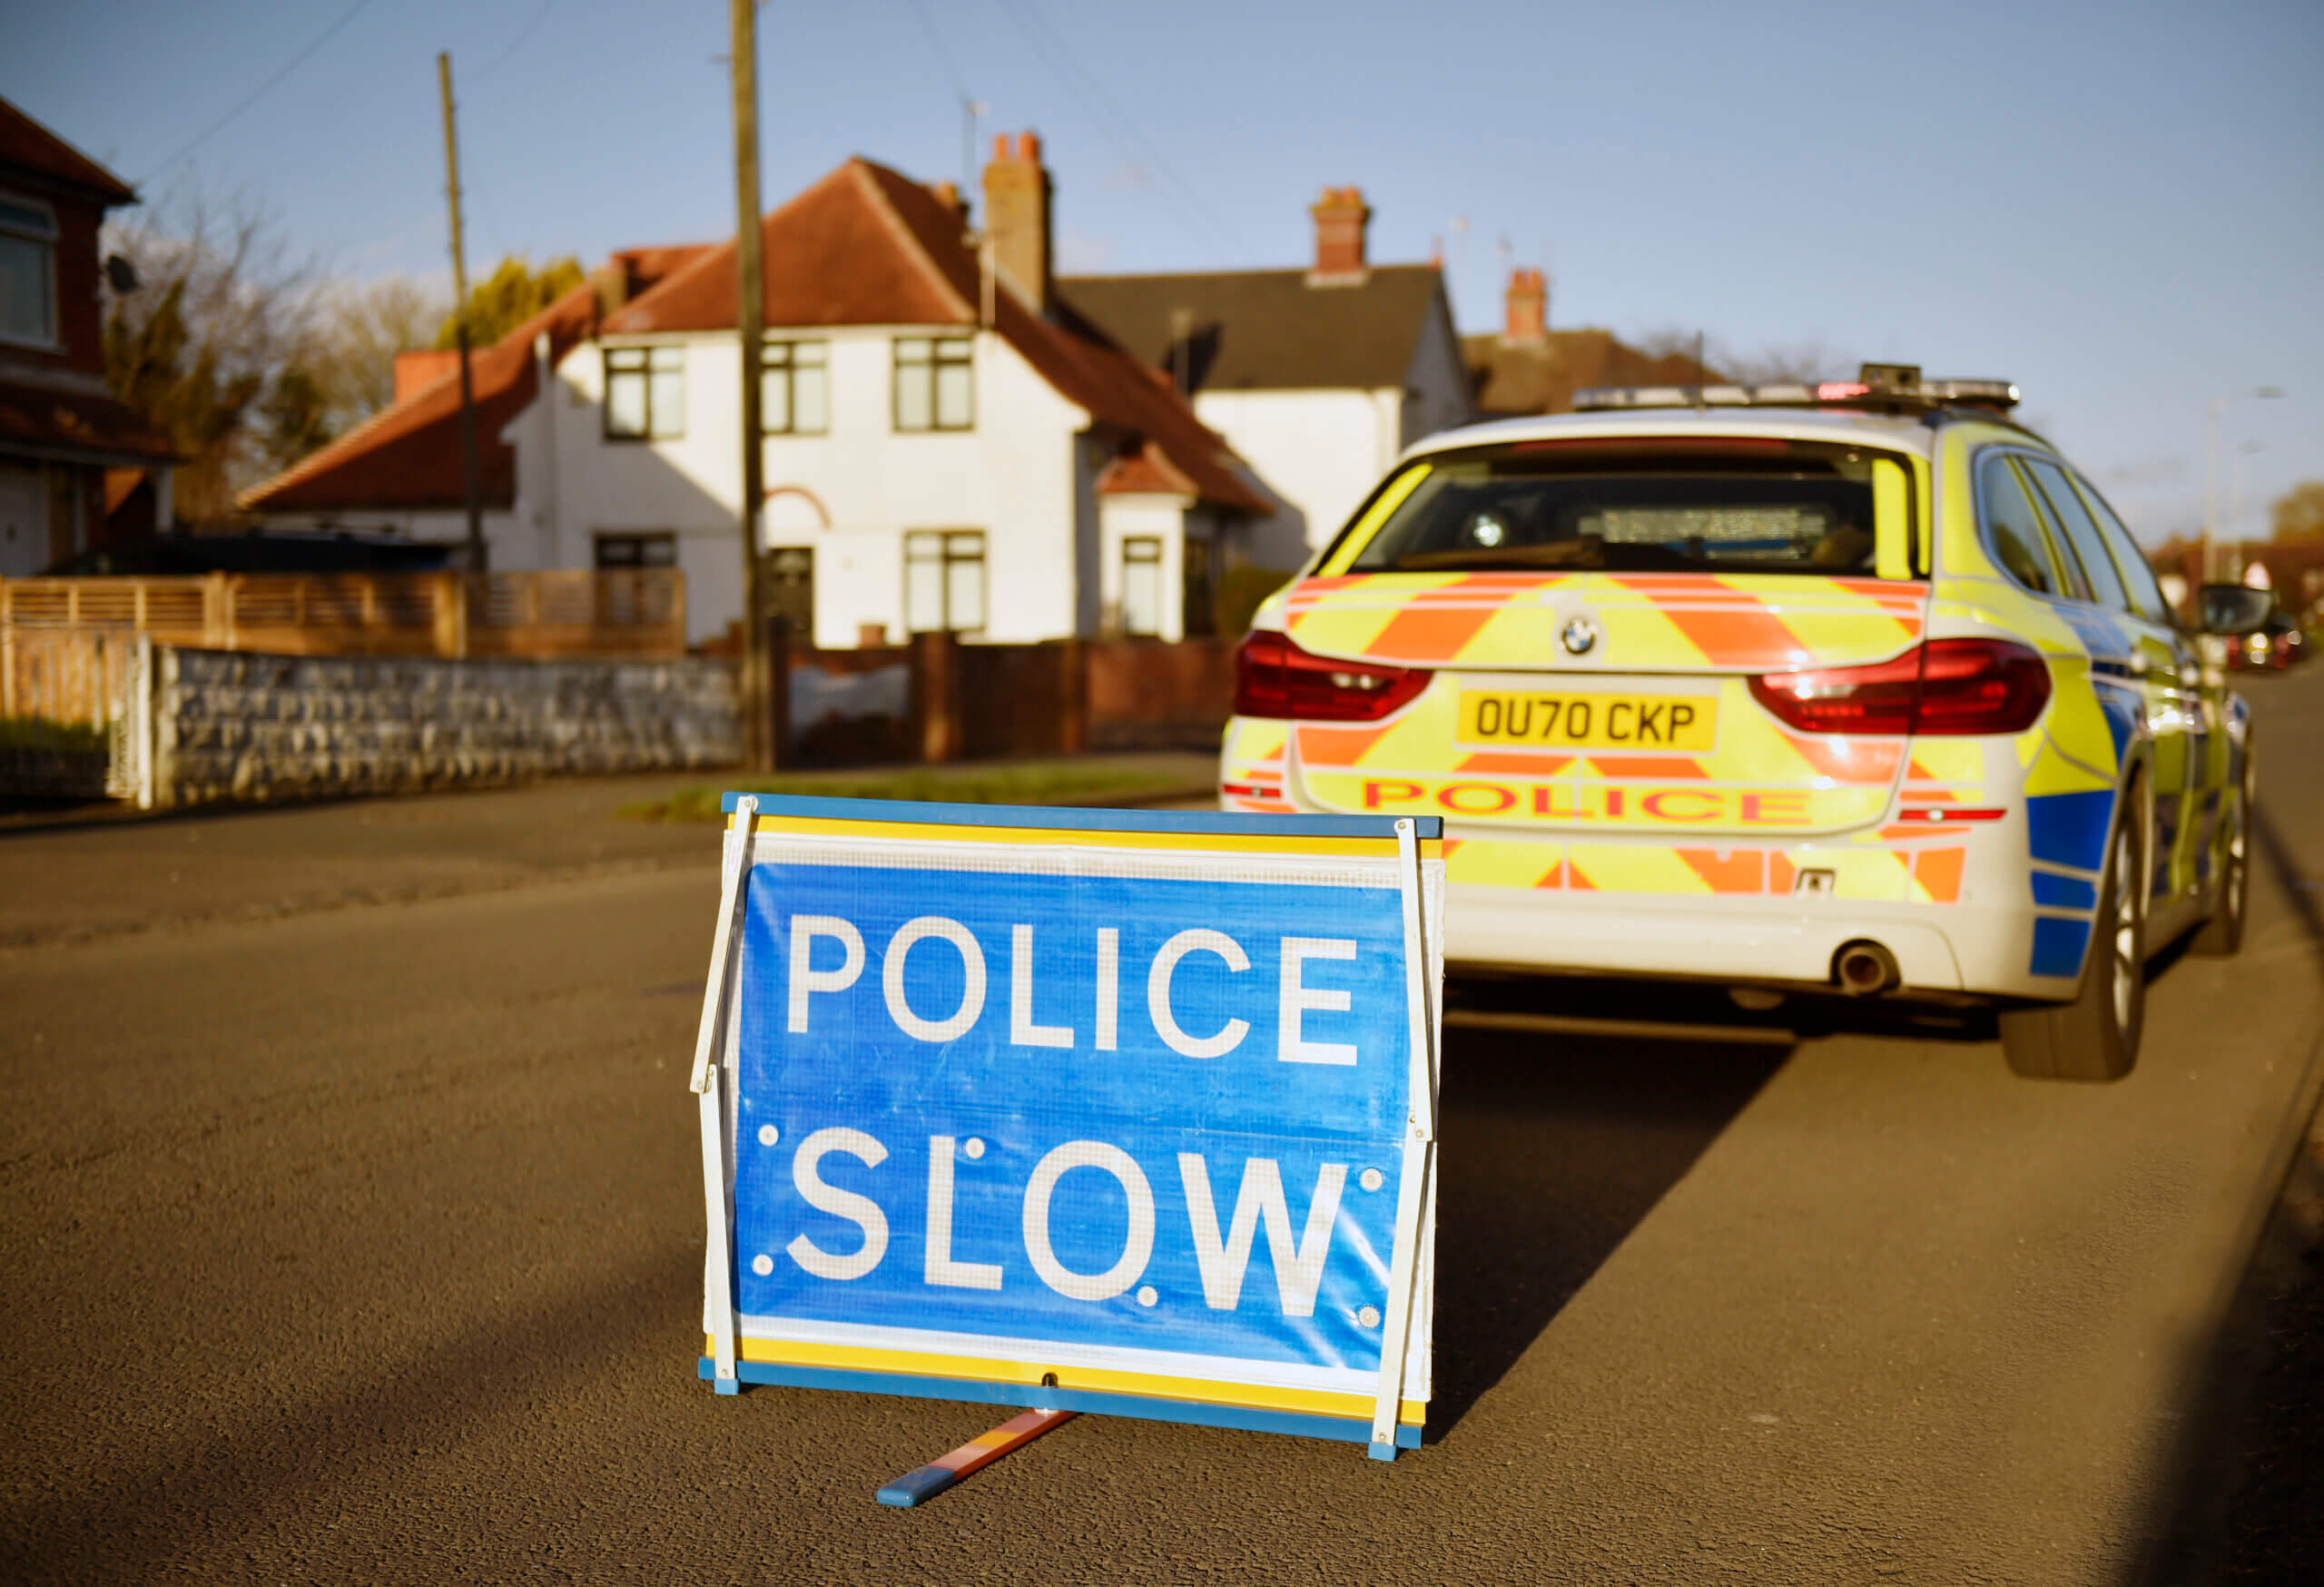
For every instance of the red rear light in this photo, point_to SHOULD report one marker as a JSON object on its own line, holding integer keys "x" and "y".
{"x": 1274, "y": 677}
{"x": 1944, "y": 689}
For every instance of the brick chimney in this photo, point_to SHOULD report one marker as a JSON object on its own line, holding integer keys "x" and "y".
{"x": 1016, "y": 194}
{"x": 1340, "y": 217}
{"x": 1527, "y": 323}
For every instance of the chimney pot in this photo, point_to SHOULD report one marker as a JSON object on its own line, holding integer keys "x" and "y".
{"x": 1016, "y": 194}
{"x": 1527, "y": 321}
{"x": 1341, "y": 217}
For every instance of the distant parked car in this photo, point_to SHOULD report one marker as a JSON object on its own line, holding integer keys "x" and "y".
{"x": 2274, "y": 648}
{"x": 257, "y": 551}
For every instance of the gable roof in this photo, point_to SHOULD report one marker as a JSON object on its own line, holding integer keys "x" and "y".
{"x": 26, "y": 145}
{"x": 866, "y": 245}
{"x": 1541, "y": 377}
{"x": 407, "y": 455}
{"x": 1267, "y": 329}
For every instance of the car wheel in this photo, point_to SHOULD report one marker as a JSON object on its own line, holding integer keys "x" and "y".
{"x": 2223, "y": 934}
{"x": 2096, "y": 1036}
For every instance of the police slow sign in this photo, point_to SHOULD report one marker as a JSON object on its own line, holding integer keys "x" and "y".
{"x": 1096, "y": 1110}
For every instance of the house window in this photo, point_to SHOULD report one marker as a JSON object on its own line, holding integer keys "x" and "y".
{"x": 935, "y": 385}
{"x": 1142, "y": 585}
{"x": 944, "y": 580}
{"x": 794, "y": 388}
{"x": 27, "y": 272}
{"x": 1201, "y": 600}
{"x": 645, "y": 392}
{"x": 625, "y": 551}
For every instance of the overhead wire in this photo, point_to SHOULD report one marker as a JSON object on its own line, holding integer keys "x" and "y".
{"x": 514, "y": 44}
{"x": 261, "y": 91}
{"x": 1138, "y": 147}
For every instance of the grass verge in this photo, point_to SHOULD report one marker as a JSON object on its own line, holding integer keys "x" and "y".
{"x": 39, "y": 733}
{"x": 1035, "y": 783}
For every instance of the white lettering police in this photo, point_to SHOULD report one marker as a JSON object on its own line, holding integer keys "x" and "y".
{"x": 933, "y": 934}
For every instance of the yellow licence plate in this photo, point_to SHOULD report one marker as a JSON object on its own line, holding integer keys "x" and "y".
{"x": 1636, "y": 722}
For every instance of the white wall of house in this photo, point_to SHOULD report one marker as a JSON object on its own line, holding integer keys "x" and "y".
{"x": 1320, "y": 452}
{"x": 850, "y": 493}
{"x": 1159, "y": 518}
{"x": 1436, "y": 382}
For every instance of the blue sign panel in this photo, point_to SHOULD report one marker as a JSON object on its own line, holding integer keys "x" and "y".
{"x": 1140, "y": 1121}
{"x": 1072, "y": 1109}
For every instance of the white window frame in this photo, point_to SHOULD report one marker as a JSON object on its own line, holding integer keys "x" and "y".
{"x": 953, "y": 549}
{"x": 50, "y": 243}
{"x": 935, "y": 354}
{"x": 647, "y": 353}
{"x": 781, "y": 363}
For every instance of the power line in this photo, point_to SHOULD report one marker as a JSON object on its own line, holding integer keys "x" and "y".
{"x": 1091, "y": 91}
{"x": 258, "y": 93}
{"x": 943, "y": 51}
{"x": 514, "y": 44}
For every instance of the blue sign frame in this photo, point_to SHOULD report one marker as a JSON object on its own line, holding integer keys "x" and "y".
{"x": 1115, "y": 1111}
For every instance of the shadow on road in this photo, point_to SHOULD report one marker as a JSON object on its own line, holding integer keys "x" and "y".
{"x": 1555, "y": 1146}
{"x": 2243, "y": 1497}
{"x": 201, "y": 1494}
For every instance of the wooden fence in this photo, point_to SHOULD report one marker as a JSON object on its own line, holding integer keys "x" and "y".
{"x": 64, "y": 675}
{"x": 640, "y": 613}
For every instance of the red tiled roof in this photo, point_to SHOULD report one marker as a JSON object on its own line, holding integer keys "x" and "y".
{"x": 864, "y": 246}
{"x": 868, "y": 246}
{"x": 27, "y": 145}
{"x": 1144, "y": 472}
{"x": 408, "y": 456}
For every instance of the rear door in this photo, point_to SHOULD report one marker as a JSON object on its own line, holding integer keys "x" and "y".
{"x": 1592, "y": 615}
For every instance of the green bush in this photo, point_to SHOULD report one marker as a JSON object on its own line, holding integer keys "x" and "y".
{"x": 39, "y": 733}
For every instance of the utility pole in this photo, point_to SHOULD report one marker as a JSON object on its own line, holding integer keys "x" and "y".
{"x": 471, "y": 486}
{"x": 750, "y": 311}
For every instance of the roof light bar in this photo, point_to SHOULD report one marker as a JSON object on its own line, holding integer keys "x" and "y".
{"x": 1886, "y": 388}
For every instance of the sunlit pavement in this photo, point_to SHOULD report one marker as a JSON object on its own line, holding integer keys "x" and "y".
{"x": 364, "y": 1244}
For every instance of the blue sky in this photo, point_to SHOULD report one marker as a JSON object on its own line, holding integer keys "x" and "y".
{"x": 2119, "y": 206}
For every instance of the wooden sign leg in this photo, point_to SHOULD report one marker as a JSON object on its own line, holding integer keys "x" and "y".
{"x": 917, "y": 1487}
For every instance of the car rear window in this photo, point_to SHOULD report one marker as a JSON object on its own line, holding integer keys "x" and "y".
{"x": 1746, "y": 505}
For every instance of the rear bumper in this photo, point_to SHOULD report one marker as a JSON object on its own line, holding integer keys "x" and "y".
{"x": 1948, "y": 948}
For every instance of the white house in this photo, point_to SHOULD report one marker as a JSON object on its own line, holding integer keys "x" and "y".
{"x": 949, "y": 443}
{"x": 1318, "y": 378}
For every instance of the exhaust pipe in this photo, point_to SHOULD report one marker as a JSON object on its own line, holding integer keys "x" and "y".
{"x": 1864, "y": 969}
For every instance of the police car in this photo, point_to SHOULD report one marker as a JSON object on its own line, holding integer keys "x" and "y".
{"x": 1856, "y": 686}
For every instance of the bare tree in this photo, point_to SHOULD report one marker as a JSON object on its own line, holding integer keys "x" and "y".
{"x": 354, "y": 333}
{"x": 1806, "y": 360}
{"x": 221, "y": 309}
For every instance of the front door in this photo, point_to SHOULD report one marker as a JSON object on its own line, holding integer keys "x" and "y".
{"x": 790, "y": 590}
{"x": 23, "y": 522}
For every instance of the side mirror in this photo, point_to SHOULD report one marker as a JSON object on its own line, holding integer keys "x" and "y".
{"x": 2234, "y": 609}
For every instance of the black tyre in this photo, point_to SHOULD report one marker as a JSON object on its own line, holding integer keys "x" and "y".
{"x": 2096, "y": 1036}
{"x": 2223, "y": 934}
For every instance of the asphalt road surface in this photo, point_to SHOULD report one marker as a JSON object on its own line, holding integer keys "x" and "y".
{"x": 363, "y": 1244}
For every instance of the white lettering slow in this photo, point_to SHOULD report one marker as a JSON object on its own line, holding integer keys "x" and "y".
{"x": 1138, "y": 1242}
{"x": 1298, "y": 1271}
{"x": 940, "y": 1269}
{"x": 807, "y": 1174}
